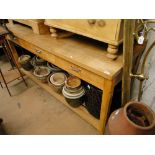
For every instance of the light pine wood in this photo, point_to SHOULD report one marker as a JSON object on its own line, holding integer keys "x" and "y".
{"x": 76, "y": 70}
{"x": 81, "y": 111}
{"x": 60, "y": 34}
{"x": 37, "y": 25}
{"x": 79, "y": 57}
{"x": 112, "y": 51}
{"x": 80, "y": 52}
{"x": 106, "y": 103}
{"x": 106, "y": 30}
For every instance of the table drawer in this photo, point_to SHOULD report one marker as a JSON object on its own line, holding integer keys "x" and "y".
{"x": 37, "y": 51}
{"x": 80, "y": 72}
{"x": 76, "y": 70}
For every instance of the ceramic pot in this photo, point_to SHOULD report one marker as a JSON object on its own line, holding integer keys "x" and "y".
{"x": 135, "y": 118}
{"x": 40, "y": 62}
{"x": 74, "y": 99}
{"x": 73, "y": 83}
{"x": 41, "y": 73}
{"x": 53, "y": 68}
{"x": 93, "y": 98}
{"x": 25, "y": 61}
{"x": 57, "y": 81}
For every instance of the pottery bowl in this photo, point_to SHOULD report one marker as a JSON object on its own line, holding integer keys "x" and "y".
{"x": 57, "y": 81}
{"x": 73, "y": 83}
{"x": 74, "y": 99}
{"x": 25, "y": 61}
{"x": 39, "y": 61}
{"x": 41, "y": 73}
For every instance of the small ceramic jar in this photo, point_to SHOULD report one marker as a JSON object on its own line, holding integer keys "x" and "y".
{"x": 25, "y": 61}
{"x": 41, "y": 73}
{"x": 57, "y": 81}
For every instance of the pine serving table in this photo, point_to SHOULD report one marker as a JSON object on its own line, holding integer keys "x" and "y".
{"x": 77, "y": 56}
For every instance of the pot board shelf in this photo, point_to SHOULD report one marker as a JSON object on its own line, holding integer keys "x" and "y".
{"x": 81, "y": 111}
{"x": 78, "y": 56}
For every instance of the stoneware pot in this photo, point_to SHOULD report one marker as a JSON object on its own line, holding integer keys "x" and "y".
{"x": 74, "y": 99}
{"x": 57, "y": 81}
{"x": 53, "y": 68}
{"x": 40, "y": 62}
{"x": 135, "y": 118}
{"x": 42, "y": 73}
{"x": 25, "y": 61}
{"x": 73, "y": 83}
{"x": 93, "y": 98}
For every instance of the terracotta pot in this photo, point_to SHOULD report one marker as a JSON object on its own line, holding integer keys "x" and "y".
{"x": 135, "y": 118}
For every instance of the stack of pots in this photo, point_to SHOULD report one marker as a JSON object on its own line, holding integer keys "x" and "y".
{"x": 57, "y": 81}
{"x": 25, "y": 61}
{"x": 73, "y": 91}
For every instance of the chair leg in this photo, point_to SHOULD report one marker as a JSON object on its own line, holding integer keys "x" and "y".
{"x": 5, "y": 82}
{"x": 10, "y": 51}
{"x": 7, "y": 55}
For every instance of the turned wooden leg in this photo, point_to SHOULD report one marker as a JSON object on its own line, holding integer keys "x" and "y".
{"x": 112, "y": 51}
{"x": 53, "y": 32}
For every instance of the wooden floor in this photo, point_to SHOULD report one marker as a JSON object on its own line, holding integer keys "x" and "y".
{"x": 34, "y": 111}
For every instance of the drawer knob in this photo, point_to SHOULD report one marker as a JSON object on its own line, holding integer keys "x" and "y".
{"x": 75, "y": 69}
{"x": 101, "y": 23}
{"x": 91, "y": 21}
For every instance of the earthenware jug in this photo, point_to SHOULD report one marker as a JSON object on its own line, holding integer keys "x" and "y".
{"x": 135, "y": 118}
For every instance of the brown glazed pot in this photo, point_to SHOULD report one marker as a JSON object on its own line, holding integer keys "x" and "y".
{"x": 135, "y": 118}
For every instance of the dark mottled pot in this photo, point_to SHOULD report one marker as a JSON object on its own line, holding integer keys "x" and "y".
{"x": 75, "y": 102}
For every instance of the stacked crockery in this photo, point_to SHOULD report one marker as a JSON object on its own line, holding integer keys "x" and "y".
{"x": 73, "y": 91}
{"x": 57, "y": 81}
{"x": 24, "y": 60}
{"x": 41, "y": 72}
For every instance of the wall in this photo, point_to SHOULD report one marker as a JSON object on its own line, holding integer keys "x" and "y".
{"x": 148, "y": 96}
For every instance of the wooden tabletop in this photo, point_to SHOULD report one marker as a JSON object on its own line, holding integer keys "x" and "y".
{"x": 77, "y": 50}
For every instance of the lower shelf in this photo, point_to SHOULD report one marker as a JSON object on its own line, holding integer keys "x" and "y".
{"x": 81, "y": 111}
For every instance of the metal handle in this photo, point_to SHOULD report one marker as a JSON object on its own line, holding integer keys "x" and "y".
{"x": 140, "y": 77}
{"x": 75, "y": 69}
{"x": 39, "y": 51}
